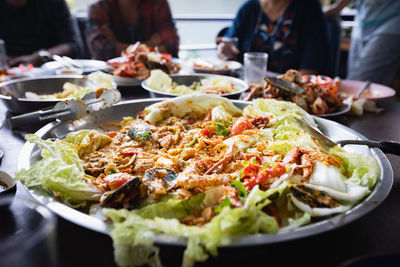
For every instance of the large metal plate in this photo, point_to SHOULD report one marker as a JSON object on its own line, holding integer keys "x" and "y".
{"x": 30, "y": 153}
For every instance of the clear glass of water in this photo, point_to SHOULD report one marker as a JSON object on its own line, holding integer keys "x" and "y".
{"x": 27, "y": 233}
{"x": 255, "y": 66}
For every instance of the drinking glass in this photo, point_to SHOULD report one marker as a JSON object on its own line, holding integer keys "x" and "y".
{"x": 27, "y": 234}
{"x": 255, "y": 66}
{"x": 229, "y": 42}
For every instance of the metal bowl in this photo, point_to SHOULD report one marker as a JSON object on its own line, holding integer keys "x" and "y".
{"x": 189, "y": 79}
{"x": 12, "y": 92}
{"x": 31, "y": 153}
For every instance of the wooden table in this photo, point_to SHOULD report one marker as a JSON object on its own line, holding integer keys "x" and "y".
{"x": 377, "y": 232}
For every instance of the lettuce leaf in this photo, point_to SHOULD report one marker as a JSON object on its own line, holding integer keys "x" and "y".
{"x": 172, "y": 208}
{"x": 360, "y": 169}
{"x": 137, "y": 228}
{"x": 281, "y": 110}
{"x": 60, "y": 170}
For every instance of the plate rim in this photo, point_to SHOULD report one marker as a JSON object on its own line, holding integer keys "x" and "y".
{"x": 345, "y": 107}
{"x": 373, "y": 200}
{"x": 390, "y": 89}
{"x": 87, "y": 69}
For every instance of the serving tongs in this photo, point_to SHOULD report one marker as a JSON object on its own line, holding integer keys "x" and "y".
{"x": 72, "y": 109}
{"x": 391, "y": 147}
{"x": 285, "y": 85}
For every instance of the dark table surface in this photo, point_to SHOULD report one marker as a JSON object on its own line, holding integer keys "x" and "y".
{"x": 376, "y": 233}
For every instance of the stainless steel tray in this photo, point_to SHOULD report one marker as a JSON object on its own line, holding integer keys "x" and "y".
{"x": 30, "y": 153}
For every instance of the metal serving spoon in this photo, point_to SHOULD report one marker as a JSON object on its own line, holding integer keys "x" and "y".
{"x": 72, "y": 109}
{"x": 285, "y": 85}
{"x": 391, "y": 147}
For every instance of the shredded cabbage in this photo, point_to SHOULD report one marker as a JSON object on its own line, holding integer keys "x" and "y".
{"x": 61, "y": 171}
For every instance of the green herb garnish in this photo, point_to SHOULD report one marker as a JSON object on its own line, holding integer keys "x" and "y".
{"x": 112, "y": 171}
{"x": 139, "y": 133}
{"x": 193, "y": 142}
{"x": 242, "y": 190}
{"x": 220, "y": 128}
{"x": 225, "y": 203}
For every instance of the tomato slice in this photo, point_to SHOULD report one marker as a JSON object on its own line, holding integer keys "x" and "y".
{"x": 111, "y": 134}
{"x": 117, "y": 180}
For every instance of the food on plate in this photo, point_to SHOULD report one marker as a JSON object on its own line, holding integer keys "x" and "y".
{"x": 202, "y": 170}
{"x": 21, "y": 71}
{"x": 208, "y": 64}
{"x": 96, "y": 80}
{"x": 160, "y": 81}
{"x": 139, "y": 59}
{"x": 320, "y": 92}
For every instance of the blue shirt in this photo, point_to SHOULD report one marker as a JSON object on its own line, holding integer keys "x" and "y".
{"x": 377, "y": 17}
{"x": 298, "y": 40}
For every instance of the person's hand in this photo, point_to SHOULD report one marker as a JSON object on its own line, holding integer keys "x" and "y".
{"x": 33, "y": 59}
{"x": 331, "y": 10}
{"x": 107, "y": 33}
{"x": 227, "y": 50}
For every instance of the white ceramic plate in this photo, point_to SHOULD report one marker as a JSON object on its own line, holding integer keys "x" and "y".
{"x": 89, "y": 65}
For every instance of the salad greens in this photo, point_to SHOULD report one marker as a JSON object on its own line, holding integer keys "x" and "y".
{"x": 131, "y": 229}
{"x": 60, "y": 171}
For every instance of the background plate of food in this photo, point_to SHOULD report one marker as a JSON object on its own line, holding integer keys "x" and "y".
{"x": 85, "y": 65}
{"x": 349, "y": 88}
{"x": 29, "y": 94}
{"x": 212, "y": 65}
{"x": 204, "y": 165}
{"x": 159, "y": 84}
{"x": 318, "y": 95}
{"x": 22, "y": 71}
{"x": 136, "y": 63}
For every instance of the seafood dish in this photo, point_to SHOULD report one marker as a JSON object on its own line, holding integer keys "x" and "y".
{"x": 199, "y": 168}
{"x": 139, "y": 59}
{"x": 320, "y": 94}
{"x": 215, "y": 84}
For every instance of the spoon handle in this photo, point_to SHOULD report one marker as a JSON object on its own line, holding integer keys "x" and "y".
{"x": 391, "y": 147}
{"x": 365, "y": 87}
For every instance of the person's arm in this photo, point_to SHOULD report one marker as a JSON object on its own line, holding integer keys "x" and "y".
{"x": 166, "y": 38}
{"x": 66, "y": 29}
{"x": 36, "y": 60}
{"x": 225, "y": 49}
{"x": 100, "y": 39}
{"x": 66, "y": 33}
{"x": 335, "y": 8}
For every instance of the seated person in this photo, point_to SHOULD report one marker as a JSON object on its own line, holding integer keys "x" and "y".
{"x": 375, "y": 40}
{"x": 29, "y": 26}
{"x": 292, "y": 32}
{"x": 115, "y": 24}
